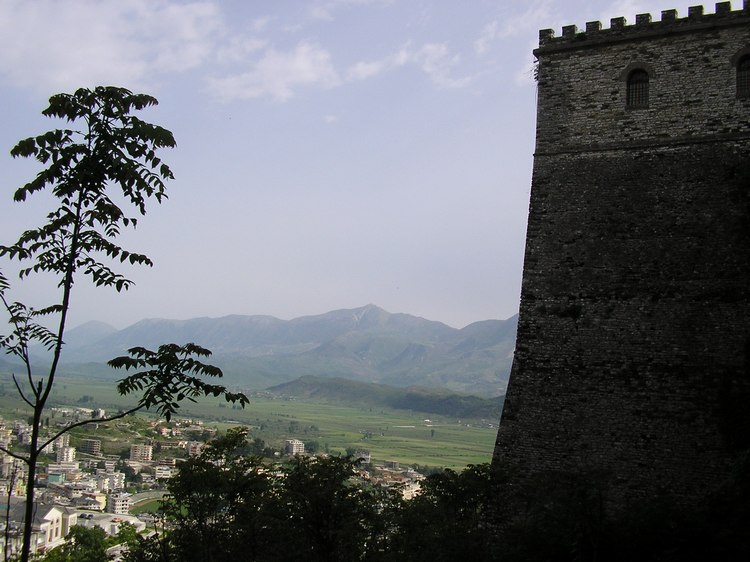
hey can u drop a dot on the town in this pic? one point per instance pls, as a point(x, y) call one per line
point(112, 482)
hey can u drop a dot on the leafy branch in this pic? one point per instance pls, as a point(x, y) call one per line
point(171, 375)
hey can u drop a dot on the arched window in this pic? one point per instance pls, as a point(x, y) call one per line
point(743, 77)
point(637, 89)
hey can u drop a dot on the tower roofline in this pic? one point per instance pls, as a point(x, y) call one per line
point(643, 28)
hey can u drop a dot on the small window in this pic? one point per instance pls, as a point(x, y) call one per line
point(637, 92)
point(743, 77)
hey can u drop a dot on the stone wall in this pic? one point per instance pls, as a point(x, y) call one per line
point(633, 346)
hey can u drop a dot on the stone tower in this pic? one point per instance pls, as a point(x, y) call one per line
point(633, 347)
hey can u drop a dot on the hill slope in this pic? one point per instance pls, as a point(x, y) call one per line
point(366, 344)
point(432, 401)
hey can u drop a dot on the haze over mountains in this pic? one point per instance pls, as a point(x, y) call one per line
point(364, 344)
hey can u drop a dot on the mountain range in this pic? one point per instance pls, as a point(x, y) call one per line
point(364, 344)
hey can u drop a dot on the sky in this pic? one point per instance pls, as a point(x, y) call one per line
point(330, 153)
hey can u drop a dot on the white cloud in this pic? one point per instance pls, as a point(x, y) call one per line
point(437, 62)
point(487, 36)
point(538, 15)
point(331, 119)
point(260, 24)
point(434, 59)
point(279, 75)
point(321, 12)
point(368, 69)
point(508, 27)
point(324, 10)
point(58, 45)
point(238, 48)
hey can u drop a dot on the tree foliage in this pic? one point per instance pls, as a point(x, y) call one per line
point(218, 502)
point(333, 516)
point(112, 148)
point(100, 171)
point(225, 505)
point(447, 520)
point(171, 375)
point(82, 545)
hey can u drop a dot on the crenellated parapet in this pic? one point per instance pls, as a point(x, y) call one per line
point(645, 27)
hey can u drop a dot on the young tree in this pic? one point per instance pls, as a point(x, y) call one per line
point(100, 175)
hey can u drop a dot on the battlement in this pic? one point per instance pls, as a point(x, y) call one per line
point(644, 26)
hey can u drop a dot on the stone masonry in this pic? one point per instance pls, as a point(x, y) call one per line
point(633, 348)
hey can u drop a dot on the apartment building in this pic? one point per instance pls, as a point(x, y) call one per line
point(90, 446)
point(118, 503)
point(141, 453)
point(294, 447)
point(65, 454)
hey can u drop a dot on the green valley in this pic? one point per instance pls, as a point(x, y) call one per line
point(411, 437)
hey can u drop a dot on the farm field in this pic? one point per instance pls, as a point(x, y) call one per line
point(409, 437)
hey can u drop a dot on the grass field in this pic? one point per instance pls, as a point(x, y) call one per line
point(148, 506)
point(404, 436)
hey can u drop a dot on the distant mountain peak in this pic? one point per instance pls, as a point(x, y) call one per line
point(94, 325)
point(366, 344)
point(88, 332)
point(370, 313)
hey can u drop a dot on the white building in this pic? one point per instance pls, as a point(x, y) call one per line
point(118, 503)
point(65, 454)
point(11, 467)
point(194, 448)
point(67, 467)
point(92, 501)
point(62, 441)
point(51, 524)
point(162, 472)
point(108, 481)
point(294, 447)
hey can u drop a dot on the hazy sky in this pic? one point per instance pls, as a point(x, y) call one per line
point(330, 153)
